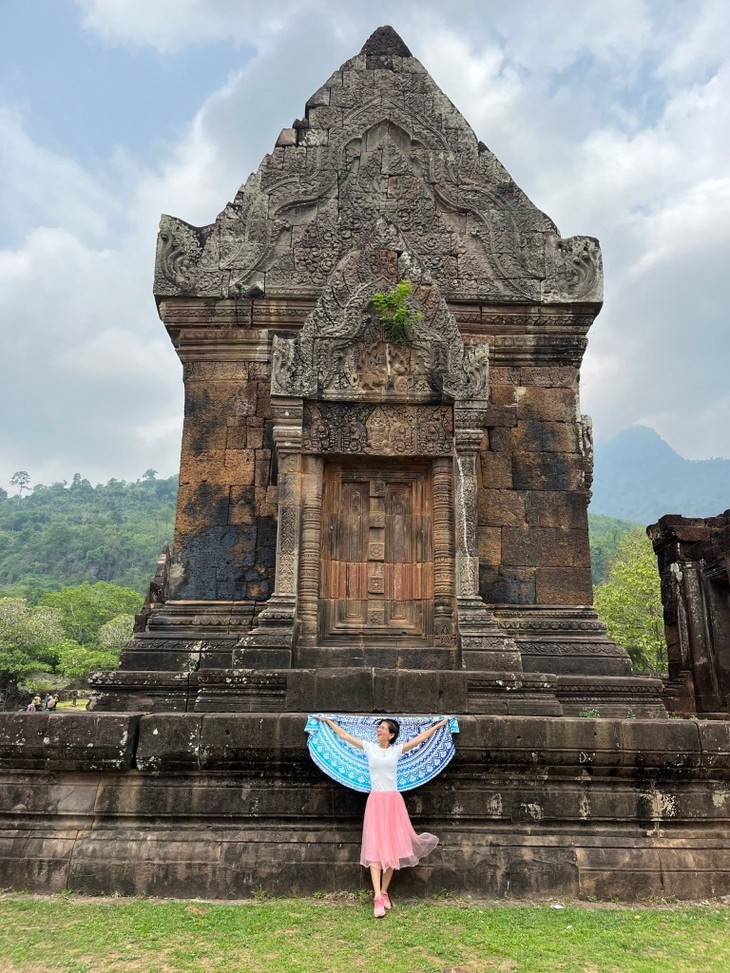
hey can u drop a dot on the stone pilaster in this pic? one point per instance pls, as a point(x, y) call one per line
point(309, 584)
point(483, 645)
point(271, 643)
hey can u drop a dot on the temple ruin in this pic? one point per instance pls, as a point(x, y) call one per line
point(378, 513)
point(350, 502)
point(694, 567)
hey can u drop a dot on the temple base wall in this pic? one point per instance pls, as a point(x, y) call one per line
point(224, 806)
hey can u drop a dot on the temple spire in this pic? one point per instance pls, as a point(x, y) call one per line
point(384, 41)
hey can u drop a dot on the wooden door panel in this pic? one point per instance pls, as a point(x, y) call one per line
point(377, 579)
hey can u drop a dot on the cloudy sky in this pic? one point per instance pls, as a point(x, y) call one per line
point(613, 117)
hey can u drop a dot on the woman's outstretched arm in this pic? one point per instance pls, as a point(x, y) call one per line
point(340, 732)
point(410, 744)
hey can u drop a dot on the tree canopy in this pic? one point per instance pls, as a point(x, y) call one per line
point(73, 632)
point(630, 604)
point(63, 535)
point(605, 534)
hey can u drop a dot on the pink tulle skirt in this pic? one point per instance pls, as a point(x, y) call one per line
point(388, 838)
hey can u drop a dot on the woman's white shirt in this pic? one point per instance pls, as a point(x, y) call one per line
point(383, 765)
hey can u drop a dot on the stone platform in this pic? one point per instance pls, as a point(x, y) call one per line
point(225, 805)
point(377, 690)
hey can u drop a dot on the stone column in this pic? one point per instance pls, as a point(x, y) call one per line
point(444, 633)
point(270, 644)
point(483, 644)
point(310, 560)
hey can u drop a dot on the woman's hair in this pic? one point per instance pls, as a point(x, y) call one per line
point(393, 727)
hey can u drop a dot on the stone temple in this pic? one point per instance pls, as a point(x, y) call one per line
point(373, 521)
point(351, 507)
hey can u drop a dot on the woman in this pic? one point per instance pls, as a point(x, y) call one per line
point(388, 838)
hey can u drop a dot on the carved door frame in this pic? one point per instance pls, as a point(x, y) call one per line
point(376, 553)
point(443, 626)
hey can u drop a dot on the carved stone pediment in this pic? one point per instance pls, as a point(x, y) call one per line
point(379, 140)
point(343, 354)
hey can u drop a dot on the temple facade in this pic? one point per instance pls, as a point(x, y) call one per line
point(355, 499)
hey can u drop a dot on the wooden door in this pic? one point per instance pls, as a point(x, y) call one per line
point(377, 562)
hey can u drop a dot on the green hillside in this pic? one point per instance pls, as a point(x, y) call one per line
point(63, 535)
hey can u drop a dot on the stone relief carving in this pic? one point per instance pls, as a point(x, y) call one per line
point(377, 430)
point(386, 144)
point(585, 442)
point(341, 352)
point(575, 269)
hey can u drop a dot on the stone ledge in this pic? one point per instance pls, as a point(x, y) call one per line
point(377, 690)
point(227, 836)
point(672, 749)
point(68, 741)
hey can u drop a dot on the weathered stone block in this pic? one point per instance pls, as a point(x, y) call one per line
point(61, 741)
point(546, 404)
point(671, 747)
point(548, 471)
point(489, 541)
point(36, 861)
point(502, 395)
point(545, 547)
point(71, 794)
point(555, 508)
point(501, 416)
point(496, 470)
point(235, 437)
point(499, 439)
point(389, 686)
point(169, 741)
point(564, 586)
point(501, 508)
point(241, 505)
point(550, 376)
point(715, 745)
point(507, 585)
point(503, 377)
point(357, 690)
point(536, 436)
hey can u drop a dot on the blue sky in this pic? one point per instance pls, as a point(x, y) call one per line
point(613, 117)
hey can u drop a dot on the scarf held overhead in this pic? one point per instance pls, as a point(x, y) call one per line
point(348, 765)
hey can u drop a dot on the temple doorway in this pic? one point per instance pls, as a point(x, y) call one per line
point(377, 554)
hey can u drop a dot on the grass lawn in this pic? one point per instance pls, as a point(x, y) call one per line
point(325, 936)
point(68, 706)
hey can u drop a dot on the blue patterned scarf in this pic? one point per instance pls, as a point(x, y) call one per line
point(348, 765)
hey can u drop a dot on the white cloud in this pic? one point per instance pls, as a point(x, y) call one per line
point(169, 25)
point(554, 89)
point(698, 42)
point(40, 187)
point(85, 363)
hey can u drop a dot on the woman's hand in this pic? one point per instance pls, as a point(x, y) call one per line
point(410, 744)
point(340, 732)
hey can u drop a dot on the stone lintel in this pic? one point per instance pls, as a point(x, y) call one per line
point(286, 311)
point(222, 345)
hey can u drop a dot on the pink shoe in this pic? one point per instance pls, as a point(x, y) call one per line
point(386, 900)
point(379, 910)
